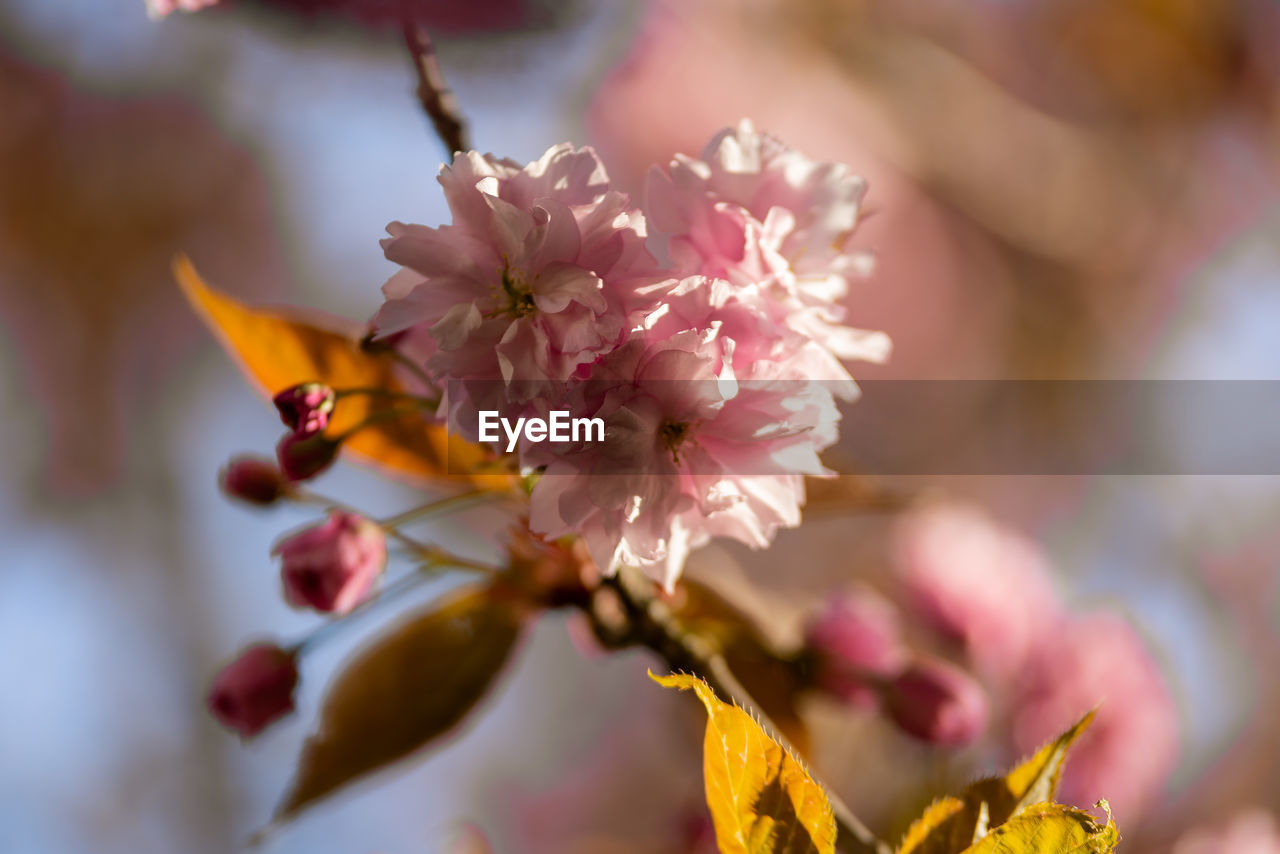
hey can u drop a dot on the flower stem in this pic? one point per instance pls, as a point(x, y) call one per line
point(444, 506)
point(426, 552)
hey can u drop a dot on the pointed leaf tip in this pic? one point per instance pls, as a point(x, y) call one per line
point(762, 801)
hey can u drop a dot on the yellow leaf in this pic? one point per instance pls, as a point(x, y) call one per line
point(771, 681)
point(762, 800)
point(277, 349)
point(407, 689)
point(945, 828)
point(1050, 829)
point(1033, 781)
point(952, 825)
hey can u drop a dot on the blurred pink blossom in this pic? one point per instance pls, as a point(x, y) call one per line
point(255, 689)
point(254, 480)
point(1098, 660)
point(332, 566)
point(937, 702)
point(855, 640)
point(758, 213)
point(163, 8)
point(305, 408)
point(977, 583)
point(1252, 831)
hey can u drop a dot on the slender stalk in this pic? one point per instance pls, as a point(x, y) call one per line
point(424, 551)
point(442, 507)
point(437, 99)
point(653, 625)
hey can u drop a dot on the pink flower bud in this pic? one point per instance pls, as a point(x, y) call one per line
point(253, 479)
point(331, 567)
point(255, 689)
point(854, 642)
point(937, 702)
point(305, 408)
point(303, 457)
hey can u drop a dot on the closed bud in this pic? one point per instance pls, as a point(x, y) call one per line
point(332, 566)
point(305, 408)
point(304, 457)
point(936, 702)
point(853, 644)
point(254, 479)
point(254, 690)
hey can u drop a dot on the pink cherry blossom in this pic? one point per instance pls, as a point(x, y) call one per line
point(937, 702)
point(758, 213)
point(1252, 831)
point(305, 409)
point(164, 8)
point(690, 452)
point(254, 480)
point(519, 286)
point(855, 641)
point(977, 583)
point(1127, 754)
point(331, 567)
point(255, 689)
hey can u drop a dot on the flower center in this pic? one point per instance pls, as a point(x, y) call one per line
point(519, 298)
point(673, 434)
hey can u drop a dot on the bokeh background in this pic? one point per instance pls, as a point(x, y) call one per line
point(1060, 189)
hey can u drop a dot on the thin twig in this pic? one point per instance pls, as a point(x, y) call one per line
point(437, 99)
point(653, 625)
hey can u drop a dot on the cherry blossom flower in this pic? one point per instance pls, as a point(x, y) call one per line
point(855, 640)
point(164, 8)
point(937, 702)
point(1252, 831)
point(305, 409)
point(977, 583)
point(255, 689)
point(518, 286)
point(756, 212)
point(690, 452)
point(331, 567)
point(254, 480)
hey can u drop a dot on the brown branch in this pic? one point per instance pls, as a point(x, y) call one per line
point(647, 621)
point(437, 99)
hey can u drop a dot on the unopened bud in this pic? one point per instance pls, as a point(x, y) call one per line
point(253, 479)
point(332, 566)
point(304, 457)
point(854, 643)
point(255, 689)
point(937, 702)
point(305, 408)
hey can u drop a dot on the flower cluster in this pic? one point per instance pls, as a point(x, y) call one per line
point(705, 331)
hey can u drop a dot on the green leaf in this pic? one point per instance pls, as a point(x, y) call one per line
point(1050, 829)
point(762, 801)
point(408, 688)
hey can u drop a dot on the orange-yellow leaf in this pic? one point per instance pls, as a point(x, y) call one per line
point(408, 688)
point(277, 349)
point(1033, 781)
point(1050, 829)
point(762, 800)
point(943, 829)
point(771, 681)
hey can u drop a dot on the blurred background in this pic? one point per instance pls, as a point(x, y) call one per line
point(1059, 189)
